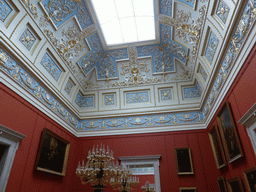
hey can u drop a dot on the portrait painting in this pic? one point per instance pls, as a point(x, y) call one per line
point(250, 179)
point(184, 161)
point(235, 185)
point(229, 134)
point(217, 148)
point(52, 154)
point(222, 184)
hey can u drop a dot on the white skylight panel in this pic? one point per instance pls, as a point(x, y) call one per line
point(145, 28)
point(114, 37)
point(105, 10)
point(128, 27)
point(125, 21)
point(143, 7)
point(124, 8)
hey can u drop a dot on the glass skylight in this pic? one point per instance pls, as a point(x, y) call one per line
point(125, 21)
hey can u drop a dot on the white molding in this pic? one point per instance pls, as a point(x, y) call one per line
point(240, 61)
point(128, 131)
point(249, 121)
point(11, 139)
point(137, 160)
point(249, 117)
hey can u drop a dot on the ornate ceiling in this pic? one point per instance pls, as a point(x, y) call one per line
point(55, 55)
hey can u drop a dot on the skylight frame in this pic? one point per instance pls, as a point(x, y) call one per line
point(106, 46)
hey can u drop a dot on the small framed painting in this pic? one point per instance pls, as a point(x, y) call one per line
point(184, 161)
point(217, 148)
point(222, 184)
point(187, 189)
point(235, 185)
point(229, 134)
point(250, 179)
point(52, 156)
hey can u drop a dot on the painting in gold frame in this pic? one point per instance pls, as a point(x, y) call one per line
point(184, 161)
point(52, 156)
point(217, 147)
point(222, 184)
point(250, 179)
point(229, 134)
point(235, 185)
point(187, 189)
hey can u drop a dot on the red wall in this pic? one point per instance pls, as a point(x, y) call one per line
point(160, 144)
point(19, 115)
point(241, 96)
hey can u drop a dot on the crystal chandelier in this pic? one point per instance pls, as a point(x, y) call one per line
point(100, 167)
point(148, 187)
point(123, 181)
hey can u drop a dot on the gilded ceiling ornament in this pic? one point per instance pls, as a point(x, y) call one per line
point(222, 11)
point(137, 97)
point(60, 11)
point(69, 45)
point(134, 71)
point(85, 101)
point(211, 47)
point(162, 119)
point(44, 21)
point(27, 38)
point(190, 117)
point(5, 10)
point(69, 86)
point(202, 72)
point(237, 39)
point(92, 125)
point(31, 7)
point(115, 123)
point(187, 74)
point(138, 121)
point(3, 58)
point(51, 66)
point(165, 7)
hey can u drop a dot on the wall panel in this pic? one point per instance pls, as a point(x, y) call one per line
point(19, 115)
point(241, 96)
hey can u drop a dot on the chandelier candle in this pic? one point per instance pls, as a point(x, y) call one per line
point(100, 169)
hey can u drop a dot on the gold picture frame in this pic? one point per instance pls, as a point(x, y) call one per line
point(52, 155)
point(222, 184)
point(187, 189)
point(184, 161)
point(250, 179)
point(229, 134)
point(235, 185)
point(217, 148)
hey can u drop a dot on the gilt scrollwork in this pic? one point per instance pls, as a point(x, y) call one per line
point(31, 7)
point(237, 39)
point(61, 10)
point(5, 10)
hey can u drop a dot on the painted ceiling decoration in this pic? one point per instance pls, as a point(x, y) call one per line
point(61, 58)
